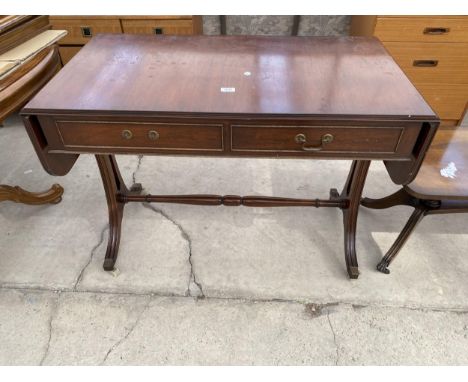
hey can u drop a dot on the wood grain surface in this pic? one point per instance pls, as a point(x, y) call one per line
point(260, 75)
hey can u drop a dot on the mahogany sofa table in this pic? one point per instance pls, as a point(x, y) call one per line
point(232, 96)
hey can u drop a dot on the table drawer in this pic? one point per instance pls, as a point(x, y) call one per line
point(174, 27)
point(80, 31)
point(323, 139)
point(423, 29)
point(431, 62)
point(140, 135)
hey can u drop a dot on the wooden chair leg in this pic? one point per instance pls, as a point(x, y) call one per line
point(411, 224)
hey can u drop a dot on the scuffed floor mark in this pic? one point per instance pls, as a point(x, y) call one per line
point(450, 171)
point(193, 283)
point(91, 256)
point(53, 313)
point(129, 331)
point(316, 310)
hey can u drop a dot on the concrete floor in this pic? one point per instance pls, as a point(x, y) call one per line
point(219, 285)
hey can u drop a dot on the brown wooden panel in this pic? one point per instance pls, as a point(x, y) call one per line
point(76, 28)
point(362, 25)
point(129, 135)
point(21, 33)
point(171, 27)
point(13, 21)
point(431, 62)
point(67, 53)
point(18, 87)
point(448, 122)
point(345, 139)
point(424, 29)
point(447, 100)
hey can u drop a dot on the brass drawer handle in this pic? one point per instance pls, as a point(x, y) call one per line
point(153, 135)
point(301, 138)
point(127, 134)
point(425, 63)
point(86, 31)
point(433, 31)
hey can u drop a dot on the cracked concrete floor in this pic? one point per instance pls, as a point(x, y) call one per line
point(220, 285)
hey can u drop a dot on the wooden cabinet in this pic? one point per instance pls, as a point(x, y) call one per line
point(432, 51)
point(82, 28)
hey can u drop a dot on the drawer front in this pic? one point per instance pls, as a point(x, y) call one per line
point(67, 53)
point(447, 100)
point(323, 139)
point(173, 27)
point(423, 29)
point(80, 31)
point(431, 62)
point(140, 135)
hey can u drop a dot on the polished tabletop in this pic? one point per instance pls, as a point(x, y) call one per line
point(246, 75)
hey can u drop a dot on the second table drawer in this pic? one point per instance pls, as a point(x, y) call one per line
point(425, 62)
point(346, 139)
point(172, 27)
point(125, 135)
point(80, 31)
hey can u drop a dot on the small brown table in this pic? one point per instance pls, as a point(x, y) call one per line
point(232, 96)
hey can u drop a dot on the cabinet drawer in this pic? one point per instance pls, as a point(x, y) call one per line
point(140, 135)
point(423, 29)
point(80, 31)
point(431, 62)
point(175, 27)
point(67, 53)
point(323, 139)
point(447, 100)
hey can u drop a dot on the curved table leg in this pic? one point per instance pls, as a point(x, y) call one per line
point(399, 198)
point(352, 192)
point(116, 190)
point(18, 195)
point(113, 185)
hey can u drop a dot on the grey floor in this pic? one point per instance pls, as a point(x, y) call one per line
point(219, 285)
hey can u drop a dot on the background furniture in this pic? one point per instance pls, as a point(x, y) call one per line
point(441, 186)
point(232, 96)
point(28, 59)
point(81, 28)
point(432, 51)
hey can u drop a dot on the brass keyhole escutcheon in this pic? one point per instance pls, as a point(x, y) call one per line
point(300, 138)
point(153, 135)
point(327, 138)
point(127, 134)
